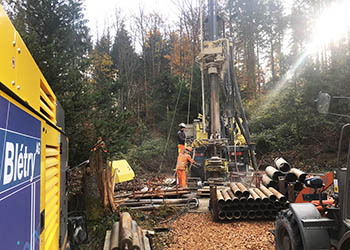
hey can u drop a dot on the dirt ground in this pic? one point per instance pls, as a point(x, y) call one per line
point(194, 231)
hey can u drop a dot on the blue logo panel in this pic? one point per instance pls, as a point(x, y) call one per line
point(20, 162)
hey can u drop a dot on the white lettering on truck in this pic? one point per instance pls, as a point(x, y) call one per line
point(19, 163)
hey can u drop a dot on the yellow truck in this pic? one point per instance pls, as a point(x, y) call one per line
point(33, 151)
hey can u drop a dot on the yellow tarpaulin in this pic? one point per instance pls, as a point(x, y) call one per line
point(123, 171)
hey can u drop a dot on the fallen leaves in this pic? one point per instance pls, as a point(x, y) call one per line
point(197, 231)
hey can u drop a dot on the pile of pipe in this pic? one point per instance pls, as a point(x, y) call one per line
point(150, 204)
point(126, 234)
point(283, 169)
point(238, 202)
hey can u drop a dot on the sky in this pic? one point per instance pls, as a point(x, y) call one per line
point(101, 13)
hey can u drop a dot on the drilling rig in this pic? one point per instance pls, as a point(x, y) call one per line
point(225, 145)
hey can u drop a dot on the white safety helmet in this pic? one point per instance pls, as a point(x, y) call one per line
point(182, 125)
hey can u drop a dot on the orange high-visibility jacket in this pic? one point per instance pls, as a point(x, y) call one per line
point(182, 161)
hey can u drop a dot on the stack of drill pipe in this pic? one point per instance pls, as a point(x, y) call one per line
point(126, 234)
point(250, 203)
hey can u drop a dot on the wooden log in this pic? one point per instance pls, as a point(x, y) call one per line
point(114, 245)
point(142, 243)
point(107, 244)
point(146, 241)
point(125, 230)
point(135, 236)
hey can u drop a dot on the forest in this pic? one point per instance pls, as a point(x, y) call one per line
point(140, 78)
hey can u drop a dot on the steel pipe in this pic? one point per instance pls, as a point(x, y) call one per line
point(237, 214)
point(273, 213)
point(244, 214)
point(300, 174)
point(290, 177)
point(268, 182)
point(234, 199)
point(125, 230)
point(255, 196)
point(273, 173)
point(282, 165)
point(221, 215)
point(236, 190)
point(243, 189)
point(268, 193)
point(263, 197)
point(229, 215)
point(278, 195)
point(226, 197)
point(266, 213)
point(251, 214)
point(220, 198)
point(259, 214)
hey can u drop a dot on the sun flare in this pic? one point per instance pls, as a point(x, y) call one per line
point(332, 25)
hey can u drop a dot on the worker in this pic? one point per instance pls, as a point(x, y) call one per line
point(181, 137)
point(182, 160)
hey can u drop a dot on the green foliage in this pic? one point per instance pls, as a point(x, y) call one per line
point(148, 156)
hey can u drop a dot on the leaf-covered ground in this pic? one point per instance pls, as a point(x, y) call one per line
point(198, 231)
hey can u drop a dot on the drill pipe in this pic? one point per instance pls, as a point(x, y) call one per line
point(221, 215)
point(268, 193)
point(255, 196)
point(300, 174)
point(279, 196)
point(236, 190)
point(221, 200)
point(262, 195)
point(250, 200)
point(290, 177)
point(225, 208)
point(278, 205)
point(259, 213)
point(273, 173)
point(243, 189)
point(282, 165)
point(273, 213)
point(235, 199)
point(237, 214)
point(268, 182)
point(251, 214)
point(270, 206)
point(226, 197)
point(298, 186)
point(125, 230)
point(244, 214)
point(229, 215)
point(136, 245)
point(266, 213)
point(262, 206)
point(115, 237)
point(243, 201)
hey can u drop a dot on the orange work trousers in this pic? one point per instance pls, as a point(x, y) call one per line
point(181, 177)
point(181, 148)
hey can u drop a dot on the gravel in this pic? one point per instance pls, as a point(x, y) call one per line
point(194, 231)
